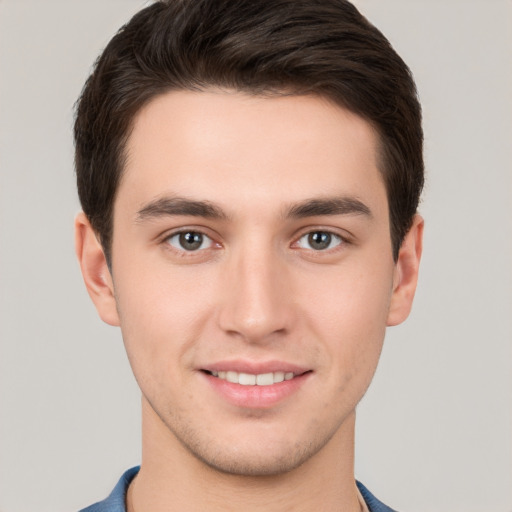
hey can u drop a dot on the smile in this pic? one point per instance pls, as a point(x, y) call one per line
point(249, 379)
point(251, 385)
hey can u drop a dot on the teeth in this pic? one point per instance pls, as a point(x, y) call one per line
point(232, 377)
point(248, 379)
point(279, 377)
point(264, 379)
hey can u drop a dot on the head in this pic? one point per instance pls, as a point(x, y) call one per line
point(286, 47)
point(251, 170)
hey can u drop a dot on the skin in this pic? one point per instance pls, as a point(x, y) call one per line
point(256, 290)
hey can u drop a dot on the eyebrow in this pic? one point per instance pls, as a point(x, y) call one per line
point(328, 206)
point(172, 206)
point(169, 206)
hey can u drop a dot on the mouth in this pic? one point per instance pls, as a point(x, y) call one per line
point(255, 385)
point(251, 379)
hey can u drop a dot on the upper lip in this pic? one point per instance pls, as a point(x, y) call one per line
point(255, 367)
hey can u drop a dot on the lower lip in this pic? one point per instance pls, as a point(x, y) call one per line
point(256, 397)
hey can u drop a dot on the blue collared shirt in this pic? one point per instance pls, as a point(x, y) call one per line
point(117, 498)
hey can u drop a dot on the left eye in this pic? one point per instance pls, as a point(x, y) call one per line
point(319, 240)
point(190, 241)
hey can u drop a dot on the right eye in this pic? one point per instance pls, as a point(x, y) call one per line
point(190, 241)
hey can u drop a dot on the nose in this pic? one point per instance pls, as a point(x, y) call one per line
point(257, 293)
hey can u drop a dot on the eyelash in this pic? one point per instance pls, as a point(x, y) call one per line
point(339, 239)
point(327, 237)
point(181, 251)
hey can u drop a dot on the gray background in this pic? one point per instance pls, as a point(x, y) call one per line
point(434, 431)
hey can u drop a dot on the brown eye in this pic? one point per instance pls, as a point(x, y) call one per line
point(190, 241)
point(319, 240)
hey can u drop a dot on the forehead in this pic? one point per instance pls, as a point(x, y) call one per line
point(233, 148)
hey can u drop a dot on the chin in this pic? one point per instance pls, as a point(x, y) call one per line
point(255, 465)
point(255, 458)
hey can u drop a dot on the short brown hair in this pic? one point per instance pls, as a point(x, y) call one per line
point(322, 47)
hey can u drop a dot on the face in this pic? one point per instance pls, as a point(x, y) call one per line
point(252, 273)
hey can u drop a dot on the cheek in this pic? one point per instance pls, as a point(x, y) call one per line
point(355, 301)
point(161, 318)
point(349, 313)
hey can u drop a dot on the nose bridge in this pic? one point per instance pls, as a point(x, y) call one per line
point(255, 305)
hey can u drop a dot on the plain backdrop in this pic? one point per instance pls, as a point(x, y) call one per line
point(434, 431)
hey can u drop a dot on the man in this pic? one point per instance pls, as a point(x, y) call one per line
point(249, 173)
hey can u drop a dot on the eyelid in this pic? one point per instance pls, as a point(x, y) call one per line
point(335, 236)
point(205, 240)
point(188, 228)
point(164, 239)
point(343, 234)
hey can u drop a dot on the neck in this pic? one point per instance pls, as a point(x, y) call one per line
point(171, 478)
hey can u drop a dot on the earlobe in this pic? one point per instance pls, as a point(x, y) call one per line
point(95, 271)
point(406, 273)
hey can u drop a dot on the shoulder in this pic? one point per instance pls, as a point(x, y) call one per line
point(374, 505)
point(115, 502)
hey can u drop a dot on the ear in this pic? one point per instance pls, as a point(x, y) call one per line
point(95, 271)
point(406, 273)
